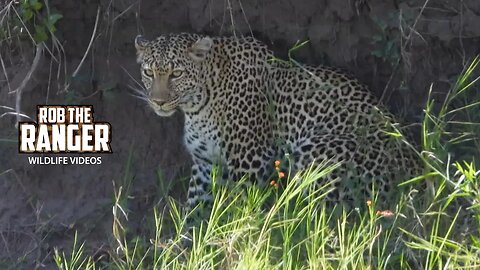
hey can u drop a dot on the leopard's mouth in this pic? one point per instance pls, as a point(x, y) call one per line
point(164, 108)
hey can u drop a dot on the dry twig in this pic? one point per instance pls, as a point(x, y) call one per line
point(26, 80)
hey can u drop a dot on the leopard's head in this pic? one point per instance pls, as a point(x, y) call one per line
point(171, 68)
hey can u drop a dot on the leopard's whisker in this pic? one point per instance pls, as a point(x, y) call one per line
point(131, 77)
point(138, 91)
point(139, 97)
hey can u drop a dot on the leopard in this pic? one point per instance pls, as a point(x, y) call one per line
point(239, 101)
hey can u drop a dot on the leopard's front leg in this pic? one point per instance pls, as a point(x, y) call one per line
point(199, 192)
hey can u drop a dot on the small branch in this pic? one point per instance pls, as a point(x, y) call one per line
point(15, 114)
point(89, 45)
point(230, 11)
point(26, 80)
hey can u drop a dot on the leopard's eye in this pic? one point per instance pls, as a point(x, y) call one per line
point(148, 72)
point(177, 73)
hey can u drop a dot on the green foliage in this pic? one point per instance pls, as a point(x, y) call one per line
point(386, 43)
point(28, 8)
point(453, 127)
point(77, 259)
point(31, 16)
point(291, 61)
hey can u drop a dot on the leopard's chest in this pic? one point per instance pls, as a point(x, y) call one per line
point(201, 140)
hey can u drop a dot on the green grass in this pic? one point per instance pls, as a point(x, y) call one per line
point(433, 226)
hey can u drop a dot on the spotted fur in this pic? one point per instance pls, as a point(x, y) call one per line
point(239, 103)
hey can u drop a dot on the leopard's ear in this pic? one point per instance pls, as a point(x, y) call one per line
point(140, 44)
point(199, 50)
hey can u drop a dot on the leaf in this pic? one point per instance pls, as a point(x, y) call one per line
point(27, 14)
point(53, 18)
point(40, 34)
point(377, 39)
point(37, 6)
point(380, 23)
point(377, 53)
point(24, 5)
point(50, 26)
point(391, 46)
